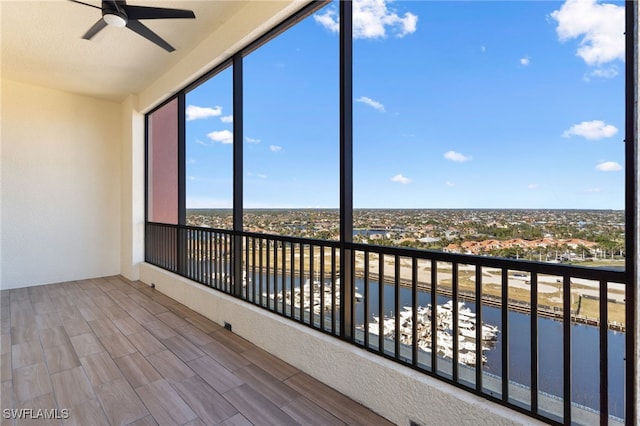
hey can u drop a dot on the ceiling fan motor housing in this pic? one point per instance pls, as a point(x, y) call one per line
point(113, 16)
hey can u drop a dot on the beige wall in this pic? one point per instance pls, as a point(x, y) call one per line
point(60, 186)
point(132, 187)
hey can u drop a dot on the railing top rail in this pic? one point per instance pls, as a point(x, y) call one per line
point(290, 239)
point(596, 274)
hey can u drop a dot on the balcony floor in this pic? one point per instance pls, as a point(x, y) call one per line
point(116, 352)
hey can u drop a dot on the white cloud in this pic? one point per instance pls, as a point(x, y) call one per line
point(609, 72)
point(222, 136)
point(592, 190)
point(198, 141)
point(227, 119)
point(532, 186)
point(371, 19)
point(197, 113)
point(456, 156)
point(483, 48)
point(258, 175)
point(401, 179)
point(252, 140)
point(609, 166)
point(525, 61)
point(600, 27)
point(373, 104)
point(275, 148)
point(329, 20)
point(592, 130)
point(450, 184)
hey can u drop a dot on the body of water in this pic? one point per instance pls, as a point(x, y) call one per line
point(584, 341)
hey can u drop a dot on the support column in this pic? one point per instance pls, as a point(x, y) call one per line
point(238, 137)
point(182, 183)
point(346, 171)
point(132, 187)
point(632, 170)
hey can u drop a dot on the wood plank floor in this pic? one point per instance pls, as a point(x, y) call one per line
point(115, 352)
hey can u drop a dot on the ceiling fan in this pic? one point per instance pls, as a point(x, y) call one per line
point(117, 13)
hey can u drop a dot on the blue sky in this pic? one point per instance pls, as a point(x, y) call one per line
point(503, 104)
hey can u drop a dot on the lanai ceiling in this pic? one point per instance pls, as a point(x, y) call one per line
point(41, 44)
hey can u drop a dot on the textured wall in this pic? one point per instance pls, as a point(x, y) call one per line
point(60, 186)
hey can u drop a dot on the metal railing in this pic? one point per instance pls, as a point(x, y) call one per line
point(541, 338)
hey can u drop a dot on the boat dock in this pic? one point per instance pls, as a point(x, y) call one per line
point(544, 311)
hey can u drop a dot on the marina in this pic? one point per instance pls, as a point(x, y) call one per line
point(316, 295)
point(515, 305)
point(466, 337)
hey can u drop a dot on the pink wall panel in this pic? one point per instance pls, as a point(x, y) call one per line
point(163, 164)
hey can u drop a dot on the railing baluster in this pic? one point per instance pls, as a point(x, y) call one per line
point(275, 280)
point(479, 352)
point(247, 241)
point(218, 250)
point(224, 277)
point(566, 339)
point(396, 294)
point(190, 254)
point(268, 272)
point(505, 334)
point(367, 312)
point(220, 253)
point(197, 248)
point(381, 302)
point(283, 284)
point(434, 317)
point(454, 320)
point(312, 292)
point(194, 254)
point(249, 277)
point(167, 251)
point(209, 259)
point(414, 312)
point(227, 263)
point(534, 343)
point(322, 289)
point(199, 254)
point(301, 283)
point(604, 353)
point(334, 326)
point(292, 279)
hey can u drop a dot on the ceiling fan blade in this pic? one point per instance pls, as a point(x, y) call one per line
point(119, 4)
point(86, 4)
point(145, 32)
point(143, 12)
point(95, 29)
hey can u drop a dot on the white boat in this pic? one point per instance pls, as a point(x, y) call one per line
point(466, 339)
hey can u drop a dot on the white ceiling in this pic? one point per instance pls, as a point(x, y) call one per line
point(41, 44)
